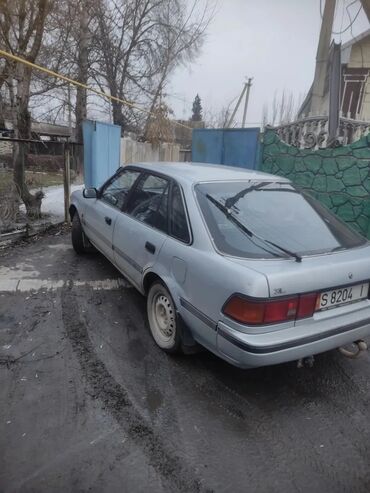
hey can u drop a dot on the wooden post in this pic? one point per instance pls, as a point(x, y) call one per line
point(67, 182)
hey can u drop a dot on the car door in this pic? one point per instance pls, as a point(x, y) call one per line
point(141, 231)
point(100, 215)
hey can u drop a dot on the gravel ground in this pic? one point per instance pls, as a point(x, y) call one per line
point(89, 403)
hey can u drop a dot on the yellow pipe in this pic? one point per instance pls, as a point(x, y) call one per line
point(79, 84)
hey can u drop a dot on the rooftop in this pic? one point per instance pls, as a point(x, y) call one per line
point(197, 172)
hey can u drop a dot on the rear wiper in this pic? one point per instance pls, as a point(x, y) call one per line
point(247, 231)
point(231, 201)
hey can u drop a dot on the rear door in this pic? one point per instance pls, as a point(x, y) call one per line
point(101, 214)
point(140, 232)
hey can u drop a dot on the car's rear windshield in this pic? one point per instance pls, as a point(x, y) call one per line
point(254, 218)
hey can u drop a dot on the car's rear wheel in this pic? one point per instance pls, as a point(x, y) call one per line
point(162, 318)
point(78, 237)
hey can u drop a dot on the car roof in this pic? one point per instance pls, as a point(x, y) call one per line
point(203, 172)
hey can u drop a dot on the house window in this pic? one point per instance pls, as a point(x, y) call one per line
point(353, 86)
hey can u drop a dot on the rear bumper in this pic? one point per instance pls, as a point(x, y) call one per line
point(253, 350)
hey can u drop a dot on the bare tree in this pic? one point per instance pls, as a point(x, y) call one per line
point(136, 46)
point(265, 115)
point(127, 48)
point(160, 128)
point(22, 25)
point(181, 34)
point(123, 44)
point(218, 119)
point(283, 109)
point(274, 109)
point(65, 49)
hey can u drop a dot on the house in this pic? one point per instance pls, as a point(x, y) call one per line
point(355, 80)
point(47, 139)
point(354, 101)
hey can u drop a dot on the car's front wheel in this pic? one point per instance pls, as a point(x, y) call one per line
point(162, 318)
point(78, 237)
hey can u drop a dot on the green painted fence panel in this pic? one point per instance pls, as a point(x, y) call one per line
point(338, 177)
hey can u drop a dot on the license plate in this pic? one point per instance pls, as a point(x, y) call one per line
point(341, 296)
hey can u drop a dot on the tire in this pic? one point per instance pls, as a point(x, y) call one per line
point(163, 321)
point(78, 237)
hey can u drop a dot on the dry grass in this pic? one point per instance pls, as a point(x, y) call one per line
point(34, 179)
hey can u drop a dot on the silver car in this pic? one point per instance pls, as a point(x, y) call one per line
point(240, 262)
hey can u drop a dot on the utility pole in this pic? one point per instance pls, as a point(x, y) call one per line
point(249, 85)
point(237, 106)
point(246, 89)
point(366, 7)
point(322, 57)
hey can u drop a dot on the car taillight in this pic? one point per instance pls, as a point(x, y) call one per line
point(253, 312)
point(307, 305)
point(278, 311)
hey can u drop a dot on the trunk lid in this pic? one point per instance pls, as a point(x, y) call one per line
point(316, 273)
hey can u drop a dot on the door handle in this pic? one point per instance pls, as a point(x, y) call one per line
point(150, 247)
point(108, 220)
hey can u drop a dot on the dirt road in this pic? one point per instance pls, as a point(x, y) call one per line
point(88, 402)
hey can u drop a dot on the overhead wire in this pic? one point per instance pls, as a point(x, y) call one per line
point(351, 20)
point(35, 66)
point(342, 20)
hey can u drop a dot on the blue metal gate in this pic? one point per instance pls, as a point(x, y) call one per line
point(101, 151)
point(232, 146)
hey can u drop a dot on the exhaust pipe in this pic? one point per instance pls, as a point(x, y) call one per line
point(361, 346)
point(308, 361)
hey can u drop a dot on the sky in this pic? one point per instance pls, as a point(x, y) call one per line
point(273, 41)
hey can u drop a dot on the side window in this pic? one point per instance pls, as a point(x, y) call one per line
point(149, 202)
point(116, 190)
point(178, 223)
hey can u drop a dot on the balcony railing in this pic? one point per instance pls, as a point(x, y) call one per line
point(312, 132)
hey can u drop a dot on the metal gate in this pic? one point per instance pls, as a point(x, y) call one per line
point(101, 151)
point(232, 146)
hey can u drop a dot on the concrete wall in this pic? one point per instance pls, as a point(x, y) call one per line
point(339, 177)
point(139, 152)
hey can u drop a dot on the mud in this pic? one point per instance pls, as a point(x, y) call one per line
point(89, 403)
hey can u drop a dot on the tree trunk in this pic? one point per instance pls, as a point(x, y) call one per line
point(23, 131)
point(2, 106)
point(83, 67)
point(118, 117)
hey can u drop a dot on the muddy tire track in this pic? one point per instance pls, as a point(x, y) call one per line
point(167, 463)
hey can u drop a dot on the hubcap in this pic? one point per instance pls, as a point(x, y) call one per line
point(164, 316)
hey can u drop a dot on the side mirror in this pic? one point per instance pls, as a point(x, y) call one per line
point(90, 193)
